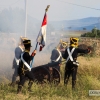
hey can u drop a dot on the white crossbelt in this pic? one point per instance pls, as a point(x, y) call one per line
point(25, 63)
point(17, 60)
point(70, 54)
point(21, 48)
point(59, 56)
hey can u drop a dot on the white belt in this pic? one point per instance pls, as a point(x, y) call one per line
point(25, 63)
point(17, 60)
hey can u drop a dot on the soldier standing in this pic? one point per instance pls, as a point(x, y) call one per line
point(18, 51)
point(56, 57)
point(70, 55)
point(24, 66)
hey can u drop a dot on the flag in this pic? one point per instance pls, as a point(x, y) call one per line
point(41, 39)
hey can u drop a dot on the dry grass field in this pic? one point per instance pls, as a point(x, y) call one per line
point(88, 76)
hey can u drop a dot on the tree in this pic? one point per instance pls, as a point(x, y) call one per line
point(94, 33)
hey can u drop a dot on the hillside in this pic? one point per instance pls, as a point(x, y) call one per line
point(78, 24)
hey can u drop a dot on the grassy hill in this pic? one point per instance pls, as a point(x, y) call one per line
point(88, 78)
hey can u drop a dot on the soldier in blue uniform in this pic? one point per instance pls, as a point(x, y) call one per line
point(56, 55)
point(70, 55)
point(24, 66)
point(18, 51)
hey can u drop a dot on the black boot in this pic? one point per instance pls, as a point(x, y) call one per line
point(30, 85)
point(17, 81)
point(73, 84)
point(19, 90)
point(12, 84)
point(65, 81)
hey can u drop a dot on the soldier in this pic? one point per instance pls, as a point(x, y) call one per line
point(56, 56)
point(24, 66)
point(70, 55)
point(18, 51)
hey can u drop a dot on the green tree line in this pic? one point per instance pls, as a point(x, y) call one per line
point(94, 33)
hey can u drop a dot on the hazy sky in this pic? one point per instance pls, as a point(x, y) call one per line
point(59, 9)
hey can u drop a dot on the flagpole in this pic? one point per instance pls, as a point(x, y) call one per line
point(25, 17)
point(36, 46)
point(37, 42)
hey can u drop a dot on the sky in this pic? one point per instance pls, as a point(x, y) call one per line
point(59, 9)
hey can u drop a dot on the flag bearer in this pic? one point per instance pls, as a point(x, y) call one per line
point(24, 66)
point(71, 60)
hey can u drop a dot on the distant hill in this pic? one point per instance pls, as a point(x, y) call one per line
point(78, 24)
point(13, 21)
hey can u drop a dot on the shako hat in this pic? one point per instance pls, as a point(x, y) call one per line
point(21, 40)
point(27, 43)
point(74, 41)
